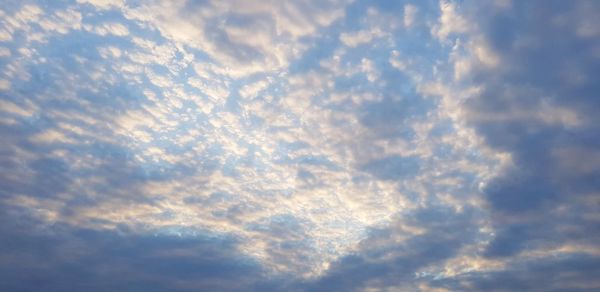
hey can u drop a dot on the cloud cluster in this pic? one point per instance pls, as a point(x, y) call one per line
point(299, 145)
point(538, 104)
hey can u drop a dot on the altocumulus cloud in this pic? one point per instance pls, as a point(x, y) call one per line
point(299, 145)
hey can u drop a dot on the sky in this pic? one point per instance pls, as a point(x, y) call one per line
point(306, 145)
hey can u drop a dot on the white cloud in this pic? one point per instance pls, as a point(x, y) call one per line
point(103, 4)
point(62, 21)
point(369, 68)
point(450, 21)
point(5, 36)
point(10, 107)
point(410, 13)
point(276, 28)
point(51, 136)
point(116, 29)
point(110, 52)
point(360, 37)
point(253, 89)
point(4, 84)
point(5, 52)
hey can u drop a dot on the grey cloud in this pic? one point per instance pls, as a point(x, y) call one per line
point(385, 261)
point(576, 272)
point(64, 258)
point(546, 91)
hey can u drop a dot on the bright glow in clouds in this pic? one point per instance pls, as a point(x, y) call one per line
point(298, 145)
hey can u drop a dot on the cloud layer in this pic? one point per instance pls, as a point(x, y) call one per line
point(299, 145)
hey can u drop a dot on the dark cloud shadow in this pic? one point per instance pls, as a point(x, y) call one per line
point(36, 257)
point(546, 98)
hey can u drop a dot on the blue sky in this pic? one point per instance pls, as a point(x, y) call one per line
point(339, 145)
